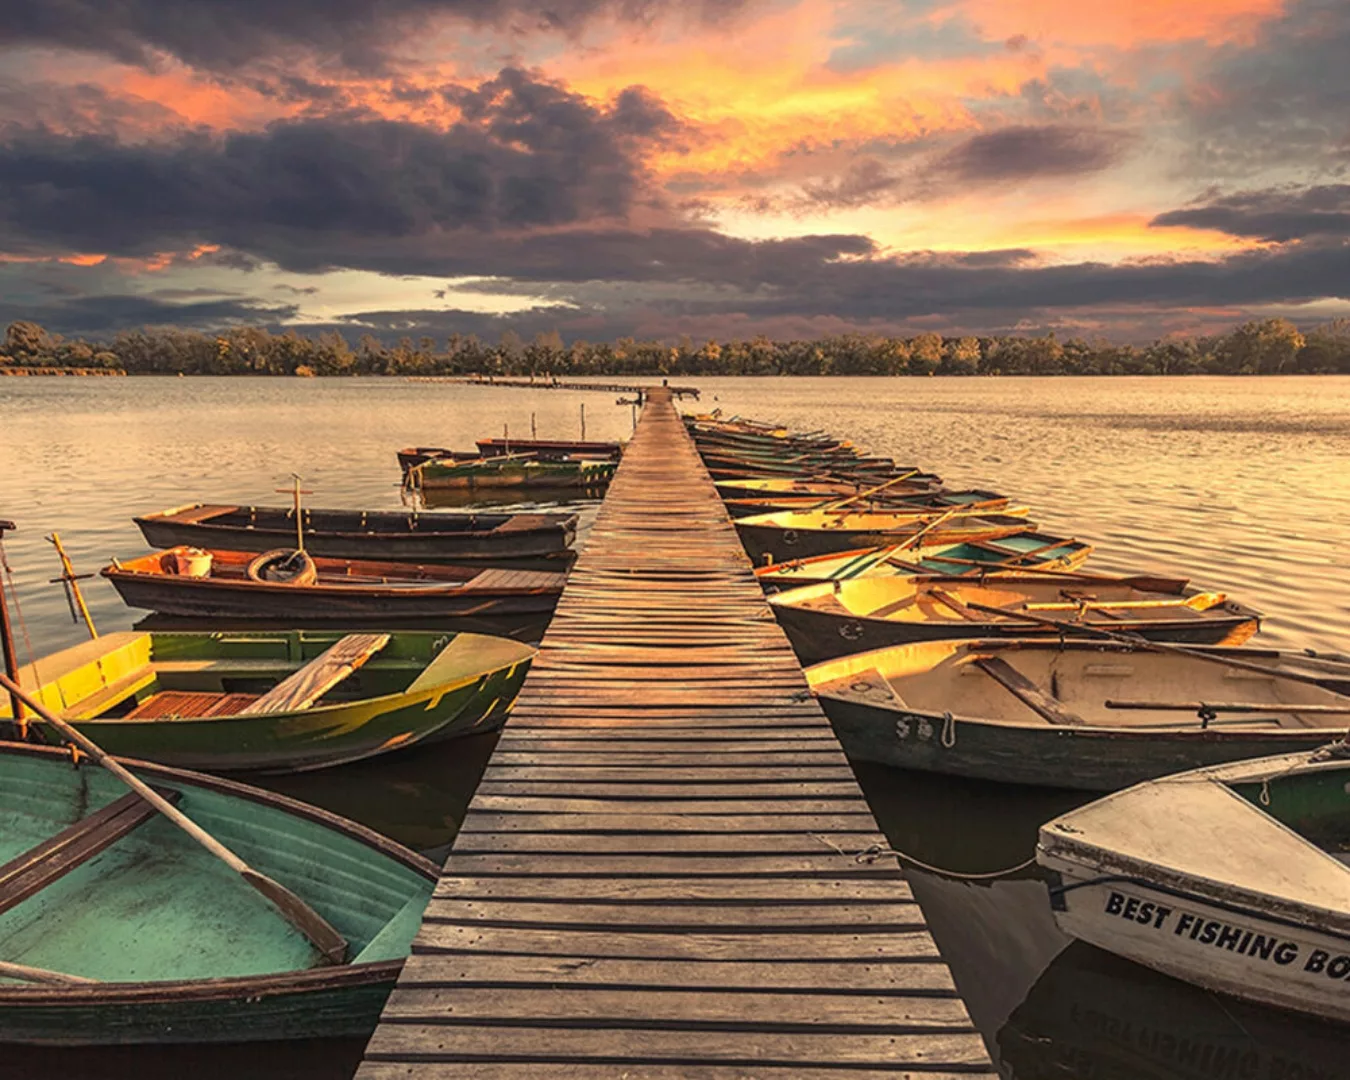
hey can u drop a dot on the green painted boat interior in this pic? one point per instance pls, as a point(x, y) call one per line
point(108, 678)
point(156, 906)
point(1315, 804)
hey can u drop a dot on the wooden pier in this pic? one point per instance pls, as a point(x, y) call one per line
point(658, 875)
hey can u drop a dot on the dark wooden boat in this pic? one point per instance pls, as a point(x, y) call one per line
point(520, 541)
point(842, 617)
point(346, 591)
point(907, 480)
point(888, 500)
point(773, 538)
point(547, 449)
point(1071, 714)
point(871, 470)
point(541, 449)
point(116, 928)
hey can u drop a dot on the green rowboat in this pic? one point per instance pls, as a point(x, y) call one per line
point(116, 927)
point(280, 701)
point(513, 471)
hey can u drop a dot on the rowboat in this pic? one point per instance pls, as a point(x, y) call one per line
point(117, 928)
point(883, 502)
point(801, 534)
point(1023, 551)
point(415, 455)
point(281, 701)
point(842, 617)
point(1074, 714)
point(543, 449)
point(513, 471)
point(522, 541)
point(723, 466)
point(907, 480)
point(346, 591)
point(1233, 878)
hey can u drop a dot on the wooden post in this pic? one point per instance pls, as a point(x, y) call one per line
point(331, 945)
point(7, 633)
point(71, 581)
point(296, 492)
point(534, 434)
point(583, 421)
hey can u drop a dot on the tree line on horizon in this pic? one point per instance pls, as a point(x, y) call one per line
point(1260, 347)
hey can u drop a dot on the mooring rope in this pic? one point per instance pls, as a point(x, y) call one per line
point(873, 852)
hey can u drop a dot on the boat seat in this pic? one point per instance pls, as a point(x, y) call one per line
point(1026, 691)
point(325, 671)
point(73, 846)
point(114, 692)
point(176, 704)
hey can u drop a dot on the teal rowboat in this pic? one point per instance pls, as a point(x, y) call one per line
point(116, 927)
point(1018, 553)
point(220, 701)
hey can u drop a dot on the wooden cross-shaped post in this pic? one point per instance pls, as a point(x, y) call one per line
point(7, 632)
point(296, 492)
point(78, 609)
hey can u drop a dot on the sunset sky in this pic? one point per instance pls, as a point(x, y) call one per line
point(788, 167)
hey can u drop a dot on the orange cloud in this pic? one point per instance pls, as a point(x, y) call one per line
point(1124, 24)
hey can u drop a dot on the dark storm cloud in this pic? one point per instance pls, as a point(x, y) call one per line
point(1281, 100)
point(336, 191)
point(102, 316)
point(1023, 152)
point(1275, 214)
point(223, 34)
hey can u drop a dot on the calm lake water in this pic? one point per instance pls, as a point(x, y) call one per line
point(1240, 484)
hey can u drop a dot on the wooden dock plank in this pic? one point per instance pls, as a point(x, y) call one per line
point(668, 869)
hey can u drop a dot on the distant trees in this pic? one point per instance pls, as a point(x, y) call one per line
point(1260, 347)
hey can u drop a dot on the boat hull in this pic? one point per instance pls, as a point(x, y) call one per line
point(1082, 758)
point(772, 543)
point(1179, 933)
point(822, 635)
point(317, 1004)
point(214, 598)
point(541, 547)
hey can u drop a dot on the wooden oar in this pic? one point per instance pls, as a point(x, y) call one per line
point(332, 946)
point(865, 494)
point(1231, 706)
point(1134, 641)
point(24, 973)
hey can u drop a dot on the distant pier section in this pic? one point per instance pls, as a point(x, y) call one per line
point(18, 369)
point(549, 383)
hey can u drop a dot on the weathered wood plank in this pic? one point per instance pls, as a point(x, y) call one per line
point(686, 889)
point(898, 976)
point(866, 1012)
point(618, 1046)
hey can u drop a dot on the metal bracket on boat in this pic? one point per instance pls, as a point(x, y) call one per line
point(1206, 714)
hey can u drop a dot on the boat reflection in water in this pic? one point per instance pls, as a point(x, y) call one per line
point(1051, 1008)
point(1095, 1016)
